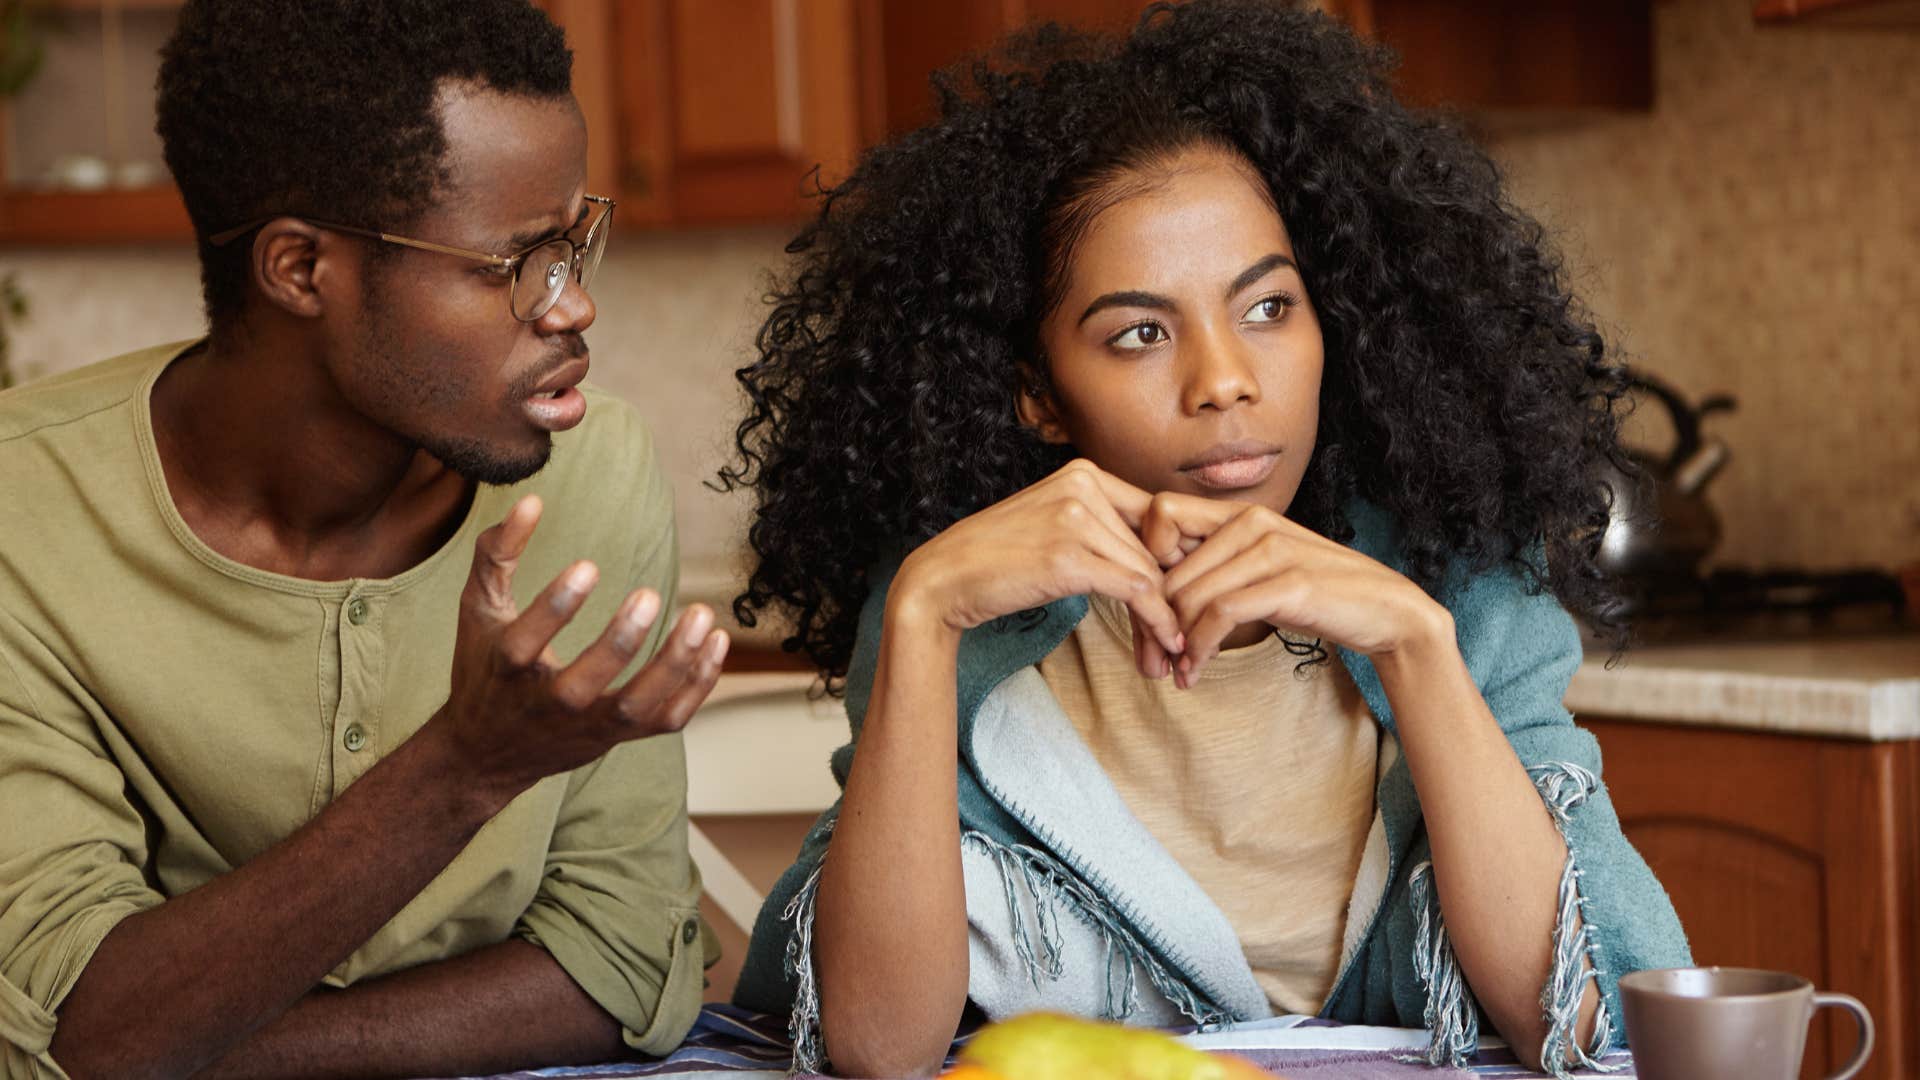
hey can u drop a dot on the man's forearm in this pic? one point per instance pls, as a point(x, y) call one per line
point(500, 1008)
point(172, 989)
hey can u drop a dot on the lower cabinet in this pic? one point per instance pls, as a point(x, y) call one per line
point(1787, 852)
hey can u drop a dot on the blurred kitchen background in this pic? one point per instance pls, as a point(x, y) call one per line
point(1732, 182)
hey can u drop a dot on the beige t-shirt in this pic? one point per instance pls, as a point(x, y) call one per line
point(167, 714)
point(1259, 781)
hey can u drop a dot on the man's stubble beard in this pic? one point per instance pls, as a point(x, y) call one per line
point(434, 393)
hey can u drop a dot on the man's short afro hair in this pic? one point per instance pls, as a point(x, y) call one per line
point(324, 108)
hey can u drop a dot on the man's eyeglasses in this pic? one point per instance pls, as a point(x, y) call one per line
point(539, 273)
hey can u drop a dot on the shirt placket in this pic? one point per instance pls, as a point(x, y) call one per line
point(357, 721)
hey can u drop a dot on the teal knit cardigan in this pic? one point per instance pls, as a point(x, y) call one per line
point(1521, 649)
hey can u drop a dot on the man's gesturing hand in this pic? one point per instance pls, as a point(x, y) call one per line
point(517, 713)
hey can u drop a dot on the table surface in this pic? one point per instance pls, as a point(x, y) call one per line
point(738, 1045)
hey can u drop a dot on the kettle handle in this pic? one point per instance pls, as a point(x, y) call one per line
point(1686, 419)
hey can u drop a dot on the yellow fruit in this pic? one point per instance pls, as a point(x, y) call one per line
point(1052, 1046)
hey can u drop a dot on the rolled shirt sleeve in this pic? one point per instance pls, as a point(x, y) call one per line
point(619, 905)
point(71, 848)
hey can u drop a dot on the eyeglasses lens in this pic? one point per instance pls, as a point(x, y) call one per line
point(543, 276)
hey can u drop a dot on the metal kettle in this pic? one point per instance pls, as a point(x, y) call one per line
point(1661, 526)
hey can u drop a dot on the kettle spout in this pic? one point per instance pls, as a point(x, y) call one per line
point(1692, 474)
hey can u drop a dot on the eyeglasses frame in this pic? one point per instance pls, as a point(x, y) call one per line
point(511, 263)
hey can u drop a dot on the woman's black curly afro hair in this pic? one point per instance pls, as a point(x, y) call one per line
point(1465, 390)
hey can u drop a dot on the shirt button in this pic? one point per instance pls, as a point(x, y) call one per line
point(355, 739)
point(688, 931)
point(357, 611)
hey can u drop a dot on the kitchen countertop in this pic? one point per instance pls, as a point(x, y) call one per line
point(1854, 688)
point(1840, 687)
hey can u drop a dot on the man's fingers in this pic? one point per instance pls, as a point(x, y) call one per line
point(524, 639)
point(680, 707)
point(584, 680)
point(672, 665)
point(495, 554)
point(690, 659)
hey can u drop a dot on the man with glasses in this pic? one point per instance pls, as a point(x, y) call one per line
point(316, 756)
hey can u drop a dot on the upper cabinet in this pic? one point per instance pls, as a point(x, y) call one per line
point(721, 109)
point(79, 160)
point(716, 111)
point(1495, 57)
point(705, 112)
point(1887, 13)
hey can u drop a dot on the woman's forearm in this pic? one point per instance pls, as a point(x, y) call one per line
point(1497, 856)
point(891, 925)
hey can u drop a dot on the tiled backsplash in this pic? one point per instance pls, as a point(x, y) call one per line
point(1758, 234)
point(1755, 234)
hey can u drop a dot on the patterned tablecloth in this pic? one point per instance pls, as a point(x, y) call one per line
point(748, 1046)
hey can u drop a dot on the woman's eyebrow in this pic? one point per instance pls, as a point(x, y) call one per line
point(1126, 299)
point(1259, 270)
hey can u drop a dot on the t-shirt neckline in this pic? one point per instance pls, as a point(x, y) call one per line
point(183, 533)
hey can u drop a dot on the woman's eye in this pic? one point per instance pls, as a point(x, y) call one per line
point(1269, 308)
point(1139, 336)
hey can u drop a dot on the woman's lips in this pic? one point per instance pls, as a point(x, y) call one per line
point(1234, 473)
point(1234, 465)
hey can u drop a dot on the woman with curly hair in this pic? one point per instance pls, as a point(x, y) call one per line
point(1193, 445)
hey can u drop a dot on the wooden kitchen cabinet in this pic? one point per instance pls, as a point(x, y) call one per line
point(1787, 852)
point(1482, 56)
point(93, 95)
point(1864, 13)
point(717, 111)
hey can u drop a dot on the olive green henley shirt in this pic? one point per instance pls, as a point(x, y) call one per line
point(167, 714)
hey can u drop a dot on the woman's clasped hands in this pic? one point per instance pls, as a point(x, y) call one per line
point(1191, 570)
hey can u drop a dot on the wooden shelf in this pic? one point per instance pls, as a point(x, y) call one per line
point(114, 216)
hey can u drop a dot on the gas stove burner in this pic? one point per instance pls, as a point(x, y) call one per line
point(1774, 602)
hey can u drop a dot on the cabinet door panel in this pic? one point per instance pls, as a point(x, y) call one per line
point(736, 82)
point(1789, 853)
point(1746, 900)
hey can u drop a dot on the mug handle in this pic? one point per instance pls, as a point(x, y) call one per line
point(1859, 1011)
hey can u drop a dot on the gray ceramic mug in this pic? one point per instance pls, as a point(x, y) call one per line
point(1714, 1022)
